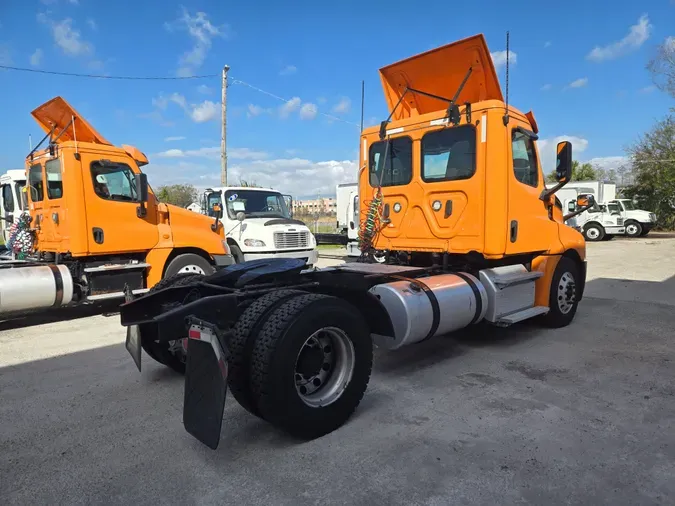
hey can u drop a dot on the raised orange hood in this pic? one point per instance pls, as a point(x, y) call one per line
point(58, 113)
point(440, 72)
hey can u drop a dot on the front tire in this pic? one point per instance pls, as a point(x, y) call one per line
point(564, 294)
point(311, 364)
point(189, 263)
point(594, 232)
point(633, 229)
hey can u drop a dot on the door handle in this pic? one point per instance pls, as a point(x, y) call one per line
point(98, 235)
point(448, 208)
point(514, 230)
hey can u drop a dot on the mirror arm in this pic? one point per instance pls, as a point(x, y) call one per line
point(547, 193)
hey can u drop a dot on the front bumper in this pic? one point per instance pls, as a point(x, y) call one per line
point(223, 260)
point(310, 256)
point(646, 227)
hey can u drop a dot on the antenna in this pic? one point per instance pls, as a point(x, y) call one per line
point(508, 54)
point(362, 93)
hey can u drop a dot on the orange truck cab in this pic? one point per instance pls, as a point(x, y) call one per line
point(95, 223)
point(458, 178)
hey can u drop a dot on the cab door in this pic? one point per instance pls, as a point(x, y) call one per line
point(112, 200)
point(529, 228)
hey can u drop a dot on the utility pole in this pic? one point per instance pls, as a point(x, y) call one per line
point(223, 135)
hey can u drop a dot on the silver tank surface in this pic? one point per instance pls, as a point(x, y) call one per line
point(422, 308)
point(35, 287)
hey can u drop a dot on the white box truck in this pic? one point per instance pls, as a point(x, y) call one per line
point(347, 196)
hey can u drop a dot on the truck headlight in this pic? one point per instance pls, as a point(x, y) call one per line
point(226, 247)
point(254, 243)
point(312, 240)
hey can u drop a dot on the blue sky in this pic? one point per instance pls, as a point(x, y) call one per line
point(580, 68)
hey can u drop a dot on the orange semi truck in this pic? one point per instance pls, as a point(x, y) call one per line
point(456, 228)
point(96, 226)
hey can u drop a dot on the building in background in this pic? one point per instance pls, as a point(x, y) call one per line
point(323, 206)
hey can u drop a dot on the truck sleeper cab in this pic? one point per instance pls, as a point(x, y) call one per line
point(454, 200)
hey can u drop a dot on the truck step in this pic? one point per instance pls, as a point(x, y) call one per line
point(113, 295)
point(519, 316)
point(516, 278)
point(117, 267)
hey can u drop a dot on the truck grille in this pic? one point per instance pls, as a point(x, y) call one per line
point(289, 240)
point(619, 221)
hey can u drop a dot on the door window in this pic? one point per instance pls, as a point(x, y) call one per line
point(114, 181)
point(397, 168)
point(54, 179)
point(35, 182)
point(7, 198)
point(449, 154)
point(21, 196)
point(524, 159)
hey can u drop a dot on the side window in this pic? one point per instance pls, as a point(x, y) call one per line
point(36, 187)
point(114, 181)
point(21, 195)
point(397, 168)
point(54, 180)
point(524, 159)
point(571, 206)
point(7, 198)
point(449, 154)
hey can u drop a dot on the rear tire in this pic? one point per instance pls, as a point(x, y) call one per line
point(594, 232)
point(160, 351)
point(244, 334)
point(317, 343)
point(564, 294)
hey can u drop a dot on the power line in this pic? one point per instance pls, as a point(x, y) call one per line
point(100, 76)
point(164, 78)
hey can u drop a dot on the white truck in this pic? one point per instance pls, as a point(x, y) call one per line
point(347, 196)
point(259, 224)
point(637, 222)
point(12, 199)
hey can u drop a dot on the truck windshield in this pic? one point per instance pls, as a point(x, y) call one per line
point(256, 204)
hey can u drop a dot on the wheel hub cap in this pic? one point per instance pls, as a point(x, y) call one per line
point(567, 293)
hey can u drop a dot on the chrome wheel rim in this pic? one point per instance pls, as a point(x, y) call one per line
point(191, 269)
point(592, 233)
point(324, 367)
point(631, 229)
point(567, 293)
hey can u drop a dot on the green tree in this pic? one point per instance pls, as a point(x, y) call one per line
point(181, 195)
point(653, 160)
point(662, 66)
point(580, 172)
point(248, 184)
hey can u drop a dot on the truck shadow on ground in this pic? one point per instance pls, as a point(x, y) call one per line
point(31, 319)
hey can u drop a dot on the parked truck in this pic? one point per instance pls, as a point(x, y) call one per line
point(259, 223)
point(347, 196)
point(451, 193)
point(635, 222)
point(12, 199)
point(93, 226)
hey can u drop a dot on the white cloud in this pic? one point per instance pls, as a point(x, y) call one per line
point(66, 37)
point(609, 162)
point(204, 90)
point(648, 89)
point(287, 175)
point(499, 58)
point(546, 87)
point(174, 138)
point(547, 149)
point(637, 35)
point(36, 57)
point(308, 111)
point(206, 111)
point(579, 83)
point(343, 106)
point(288, 70)
point(255, 110)
point(669, 43)
point(289, 107)
point(92, 24)
point(202, 32)
point(213, 153)
point(547, 43)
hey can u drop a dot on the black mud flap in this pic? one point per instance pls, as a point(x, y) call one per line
point(205, 383)
point(133, 341)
